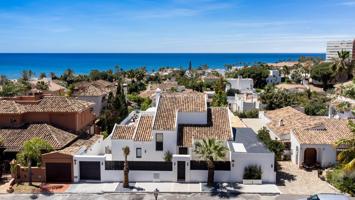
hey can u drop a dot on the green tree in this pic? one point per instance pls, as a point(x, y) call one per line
point(323, 73)
point(53, 75)
point(3, 79)
point(68, 76)
point(126, 152)
point(210, 150)
point(316, 107)
point(31, 154)
point(273, 145)
point(277, 98)
point(42, 75)
point(347, 156)
point(41, 85)
point(342, 66)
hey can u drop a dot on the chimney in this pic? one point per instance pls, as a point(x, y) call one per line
point(157, 96)
point(124, 85)
point(281, 122)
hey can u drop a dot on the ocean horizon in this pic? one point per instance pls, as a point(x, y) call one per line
point(12, 64)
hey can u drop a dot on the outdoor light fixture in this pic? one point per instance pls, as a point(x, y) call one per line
point(156, 193)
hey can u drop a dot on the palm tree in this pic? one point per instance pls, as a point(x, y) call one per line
point(210, 150)
point(342, 66)
point(53, 75)
point(125, 168)
point(31, 152)
point(347, 156)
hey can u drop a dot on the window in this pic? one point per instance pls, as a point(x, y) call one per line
point(138, 152)
point(159, 142)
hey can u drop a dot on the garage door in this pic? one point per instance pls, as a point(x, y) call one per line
point(58, 172)
point(89, 170)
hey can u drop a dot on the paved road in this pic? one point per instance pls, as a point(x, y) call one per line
point(145, 196)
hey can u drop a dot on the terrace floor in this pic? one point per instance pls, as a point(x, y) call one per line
point(292, 180)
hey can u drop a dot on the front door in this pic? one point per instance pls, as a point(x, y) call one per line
point(181, 171)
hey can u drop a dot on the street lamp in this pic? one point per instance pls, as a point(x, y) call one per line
point(156, 193)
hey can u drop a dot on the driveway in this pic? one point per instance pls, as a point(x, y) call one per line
point(292, 180)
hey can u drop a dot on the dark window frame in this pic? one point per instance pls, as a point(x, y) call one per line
point(159, 145)
point(137, 150)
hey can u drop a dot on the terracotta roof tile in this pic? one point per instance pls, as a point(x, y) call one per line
point(79, 144)
point(11, 107)
point(328, 131)
point(291, 119)
point(218, 127)
point(59, 104)
point(13, 139)
point(144, 129)
point(123, 132)
point(170, 103)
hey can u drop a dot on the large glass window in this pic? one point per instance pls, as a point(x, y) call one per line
point(159, 142)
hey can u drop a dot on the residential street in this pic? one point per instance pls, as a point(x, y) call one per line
point(148, 196)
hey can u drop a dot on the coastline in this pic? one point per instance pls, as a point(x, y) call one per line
point(12, 64)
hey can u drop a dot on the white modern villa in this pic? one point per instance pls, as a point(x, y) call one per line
point(172, 127)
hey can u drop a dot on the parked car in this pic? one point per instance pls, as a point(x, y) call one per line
point(327, 197)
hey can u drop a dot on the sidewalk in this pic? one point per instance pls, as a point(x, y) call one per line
point(168, 187)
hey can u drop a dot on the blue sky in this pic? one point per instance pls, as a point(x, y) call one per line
point(174, 25)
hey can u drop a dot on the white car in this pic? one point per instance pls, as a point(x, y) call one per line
point(327, 197)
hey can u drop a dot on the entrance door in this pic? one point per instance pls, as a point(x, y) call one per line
point(310, 156)
point(89, 170)
point(181, 171)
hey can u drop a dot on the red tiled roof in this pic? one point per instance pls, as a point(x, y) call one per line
point(218, 127)
point(13, 139)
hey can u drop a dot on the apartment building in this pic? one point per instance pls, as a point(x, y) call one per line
point(334, 46)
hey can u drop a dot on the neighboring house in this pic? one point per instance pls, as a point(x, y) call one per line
point(96, 92)
point(342, 108)
point(274, 77)
point(13, 139)
point(315, 144)
point(210, 78)
point(243, 102)
point(59, 164)
point(66, 113)
point(173, 126)
point(53, 87)
point(300, 131)
point(241, 84)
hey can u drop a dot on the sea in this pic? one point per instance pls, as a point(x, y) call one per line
point(12, 64)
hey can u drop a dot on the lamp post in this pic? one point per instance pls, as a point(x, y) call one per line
point(156, 193)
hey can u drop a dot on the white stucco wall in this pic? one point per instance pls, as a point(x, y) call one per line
point(148, 148)
point(241, 84)
point(242, 160)
point(94, 99)
point(326, 154)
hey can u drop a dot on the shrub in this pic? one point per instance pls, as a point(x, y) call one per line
point(168, 156)
point(340, 180)
point(252, 172)
point(232, 92)
point(249, 114)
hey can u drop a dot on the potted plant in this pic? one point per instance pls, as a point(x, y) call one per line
point(252, 175)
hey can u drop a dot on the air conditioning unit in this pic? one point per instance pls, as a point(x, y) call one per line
point(156, 177)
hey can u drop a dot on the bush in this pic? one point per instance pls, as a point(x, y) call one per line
point(249, 114)
point(273, 145)
point(232, 92)
point(338, 179)
point(316, 108)
point(168, 156)
point(252, 172)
